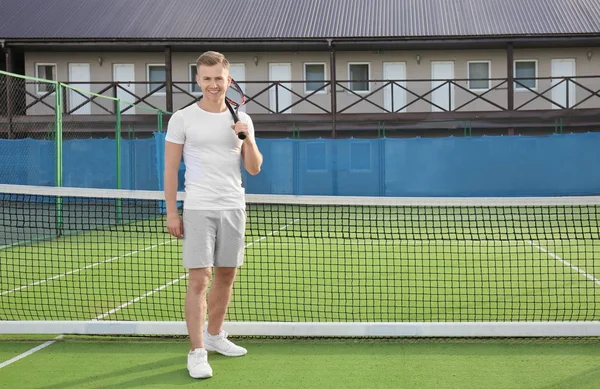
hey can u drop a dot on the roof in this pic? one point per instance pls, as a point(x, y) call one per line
point(294, 19)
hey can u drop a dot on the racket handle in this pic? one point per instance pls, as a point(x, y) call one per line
point(242, 136)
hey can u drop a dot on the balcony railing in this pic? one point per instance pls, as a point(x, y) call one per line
point(303, 97)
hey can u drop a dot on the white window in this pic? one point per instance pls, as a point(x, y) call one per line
point(157, 75)
point(479, 75)
point(45, 71)
point(194, 88)
point(526, 73)
point(359, 75)
point(314, 75)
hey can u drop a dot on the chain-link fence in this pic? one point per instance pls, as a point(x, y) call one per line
point(54, 134)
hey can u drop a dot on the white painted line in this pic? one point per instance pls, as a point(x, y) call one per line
point(29, 352)
point(176, 280)
point(84, 268)
point(566, 263)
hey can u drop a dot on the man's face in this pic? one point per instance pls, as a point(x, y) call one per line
point(214, 81)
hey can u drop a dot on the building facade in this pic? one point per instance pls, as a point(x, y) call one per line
point(520, 76)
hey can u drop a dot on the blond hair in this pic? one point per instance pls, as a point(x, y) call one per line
point(212, 58)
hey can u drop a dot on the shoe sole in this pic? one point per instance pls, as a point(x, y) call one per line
point(209, 348)
point(208, 375)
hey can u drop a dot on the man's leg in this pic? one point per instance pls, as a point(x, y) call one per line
point(199, 234)
point(229, 255)
point(195, 305)
point(219, 297)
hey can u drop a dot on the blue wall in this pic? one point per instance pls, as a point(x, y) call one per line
point(89, 163)
point(565, 164)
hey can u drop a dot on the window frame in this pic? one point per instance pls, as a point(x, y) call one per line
point(193, 80)
point(368, 90)
point(323, 90)
point(489, 63)
point(148, 86)
point(37, 75)
point(519, 88)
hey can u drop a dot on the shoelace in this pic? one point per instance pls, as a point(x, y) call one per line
point(196, 358)
point(222, 337)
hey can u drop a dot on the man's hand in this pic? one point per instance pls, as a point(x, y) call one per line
point(175, 225)
point(241, 127)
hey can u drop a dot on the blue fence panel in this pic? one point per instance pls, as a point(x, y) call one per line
point(316, 159)
point(27, 162)
point(91, 163)
point(565, 164)
point(278, 172)
point(139, 164)
point(493, 166)
point(358, 167)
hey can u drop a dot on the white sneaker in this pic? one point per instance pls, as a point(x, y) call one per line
point(222, 345)
point(197, 364)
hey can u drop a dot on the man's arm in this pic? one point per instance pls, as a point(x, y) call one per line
point(251, 156)
point(173, 152)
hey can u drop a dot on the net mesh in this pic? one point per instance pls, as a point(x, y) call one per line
point(84, 254)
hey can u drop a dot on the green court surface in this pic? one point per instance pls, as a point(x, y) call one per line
point(324, 364)
point(311, 264)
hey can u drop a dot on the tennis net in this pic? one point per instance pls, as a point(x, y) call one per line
point(78, 260)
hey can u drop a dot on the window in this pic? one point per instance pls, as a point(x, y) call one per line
point(194, 88)
point(157, 75)
point(359, 75)
point(314, 74)
point(525, 72)
point(479, 74)
point(45, 71)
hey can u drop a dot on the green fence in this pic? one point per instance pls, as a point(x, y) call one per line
point(54, 115)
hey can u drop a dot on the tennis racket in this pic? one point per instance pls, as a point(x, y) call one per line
point(235, 98)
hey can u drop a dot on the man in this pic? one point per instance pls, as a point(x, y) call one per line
point(214, 216)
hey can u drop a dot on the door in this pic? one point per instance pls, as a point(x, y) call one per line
point(124, 74)
point(442, 71)
point(563, 68)
point(237, 71)
point(394, 96)
point(279, 97)
point(79, 77)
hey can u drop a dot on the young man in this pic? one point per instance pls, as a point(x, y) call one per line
point(214, 216)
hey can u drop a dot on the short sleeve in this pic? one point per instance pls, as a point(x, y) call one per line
point(176, 129)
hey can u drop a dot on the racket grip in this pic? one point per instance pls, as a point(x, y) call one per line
point(242, 136)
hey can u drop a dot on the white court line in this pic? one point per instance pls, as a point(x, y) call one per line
point(29, 352)
point(176, 280)
point(84, 268)
point(567, 263)
point(35, 349)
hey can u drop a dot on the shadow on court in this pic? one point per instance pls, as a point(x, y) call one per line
point(587, 379)
point(175, 364)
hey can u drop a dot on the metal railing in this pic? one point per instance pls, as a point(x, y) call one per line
point(308, 97)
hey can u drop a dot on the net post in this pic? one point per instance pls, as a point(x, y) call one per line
point(118, 141)
point(59, 158)
point(118, 156)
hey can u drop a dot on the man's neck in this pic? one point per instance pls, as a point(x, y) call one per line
point(210, 106)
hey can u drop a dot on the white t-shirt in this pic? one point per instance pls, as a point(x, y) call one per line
point(212, 157)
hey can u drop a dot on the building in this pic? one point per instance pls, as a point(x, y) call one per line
point(427, 68)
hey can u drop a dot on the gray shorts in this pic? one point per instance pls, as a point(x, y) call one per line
point(213, 238)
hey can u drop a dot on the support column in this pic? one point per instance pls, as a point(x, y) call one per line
point(10, 85)
point(333, 88)
point(169, 78)
point(510, 90)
